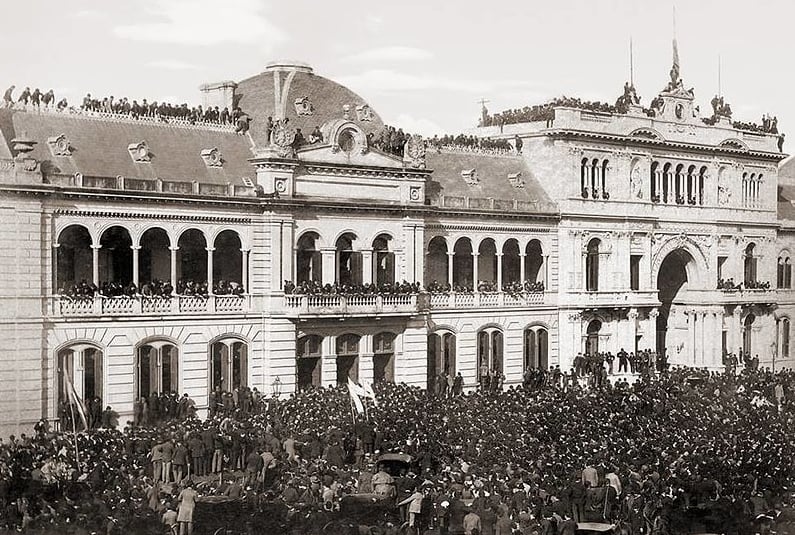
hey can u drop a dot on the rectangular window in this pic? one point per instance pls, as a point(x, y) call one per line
point(634, 271)
point(721, 265)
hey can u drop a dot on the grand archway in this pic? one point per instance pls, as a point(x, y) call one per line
point(675, 274)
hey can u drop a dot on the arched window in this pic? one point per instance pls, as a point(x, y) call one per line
point(384, 261)
point(436, 266)
point(349, 261)
point(228, 365)
point(655, 194)
point(192, 258)
point(592, 265)
point(489, 352)
point(462, 264)
point(115, 256)
point(605, 164)
point(384, 358)
point(308, 262)
point(487, 263)
point(592, 337)
point(441, 355)
point(347, 358)
point(749, 263)
point(157, 368)
point(748, 334)
point(784, 272)
point(227, 262)
point(82, 365)
point(692, 184)
point(595, 178)
point(758, 191)
point(702, 176)
point(74, 258)
point(534, 261)
point(585, 178)
point(667, 193)
point(678, 186)
point(308, 352)
point(785, 338)
point(536, 348)
point(511, 262)
point(154, 258)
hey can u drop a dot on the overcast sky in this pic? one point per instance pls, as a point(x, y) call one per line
point(422, 65)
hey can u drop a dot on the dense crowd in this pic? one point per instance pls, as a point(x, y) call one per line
point(318, 288)
point(533, 459)
point(84, 290)
point(511, 287)
point(543, 112)
point(730, 286)
point(467, 143)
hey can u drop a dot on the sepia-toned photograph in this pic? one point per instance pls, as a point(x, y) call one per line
point(412, 268)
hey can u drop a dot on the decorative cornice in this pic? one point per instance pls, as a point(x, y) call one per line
point(692, 147)
point(488, 228)
point(161, 217)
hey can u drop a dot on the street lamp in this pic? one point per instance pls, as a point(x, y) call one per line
point(276, 385)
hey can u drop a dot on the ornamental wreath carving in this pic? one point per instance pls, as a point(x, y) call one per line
point(282, 139)
point(414, 152)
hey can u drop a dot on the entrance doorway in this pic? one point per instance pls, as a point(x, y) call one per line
point(592, 337)
point(670, 280)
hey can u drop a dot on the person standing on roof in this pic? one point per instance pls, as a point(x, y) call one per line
point(8, 99)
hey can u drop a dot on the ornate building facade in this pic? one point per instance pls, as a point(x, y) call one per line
point(607, 231)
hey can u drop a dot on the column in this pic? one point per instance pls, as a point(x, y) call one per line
point(329, 265)
point(651, 337)
point(671, 187)
point(658, 183)
point(244, 274)
point(210, 269)
point(545, 271)
point(632, 318)
point(737, 331)
point(499, 272)
point(95, 263)
point(135, 249)
point(288, 252)
point(277, 259)
point(597, 180)
point(522, 267)
point(174, 266)
point(368, 267)
point(450, 257)
point(475, 270)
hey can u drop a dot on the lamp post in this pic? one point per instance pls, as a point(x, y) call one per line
point(276, 386)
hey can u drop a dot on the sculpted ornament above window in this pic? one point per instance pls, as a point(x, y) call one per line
point(139, 151)
point(364, 113)
point(60, 145)
point(212, 157)
point(304, 107)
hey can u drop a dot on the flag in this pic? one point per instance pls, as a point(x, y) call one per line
point(355, 391)
point(368, 390)
point(74, 399)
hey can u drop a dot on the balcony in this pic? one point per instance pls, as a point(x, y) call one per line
point(608, 299)
point(491, 300)
point(746, 296)
point(319, 305)
point(150, 306)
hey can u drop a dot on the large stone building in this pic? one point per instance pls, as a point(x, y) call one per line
point(629, 221)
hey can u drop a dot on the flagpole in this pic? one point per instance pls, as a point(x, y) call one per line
point(631, 65)
point(74, 434)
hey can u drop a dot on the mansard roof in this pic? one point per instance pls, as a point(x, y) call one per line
point(478, 177)
point(101, 147)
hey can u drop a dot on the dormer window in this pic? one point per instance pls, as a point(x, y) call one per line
point(139, 152)
point(470, 176)
point(212, 157)
point(60, 145)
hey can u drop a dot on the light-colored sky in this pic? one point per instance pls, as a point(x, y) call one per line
point(422, 65)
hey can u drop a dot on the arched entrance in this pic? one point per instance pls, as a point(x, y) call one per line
point(672, 278)
point(592, 337)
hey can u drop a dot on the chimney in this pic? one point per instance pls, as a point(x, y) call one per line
point(221, 94)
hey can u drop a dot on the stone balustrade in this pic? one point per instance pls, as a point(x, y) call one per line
point(350, 304)
point(156, 305)
point(476, 300)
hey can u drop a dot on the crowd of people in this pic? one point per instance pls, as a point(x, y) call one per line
point(483, 286)
point(533, 459)
point(466, 143)
point(769, 125)
point(729, 285)
point(318, 288)
point(85, 290)
point(543, 112)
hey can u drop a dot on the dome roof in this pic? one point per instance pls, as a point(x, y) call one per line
point(291, 89)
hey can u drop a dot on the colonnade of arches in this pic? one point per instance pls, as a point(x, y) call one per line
point(347, 357)
point(157, 368)
point(752, 188)
point(114, 257)
point(673, 183)
point(464, 267)
point(348, 263)
point(593, 178)
point(442, 351)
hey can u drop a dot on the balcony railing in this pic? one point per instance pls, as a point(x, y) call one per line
point(746, 295)
point(455, 300)
point(595, 299)
point(137, 306)
point(338, 304)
